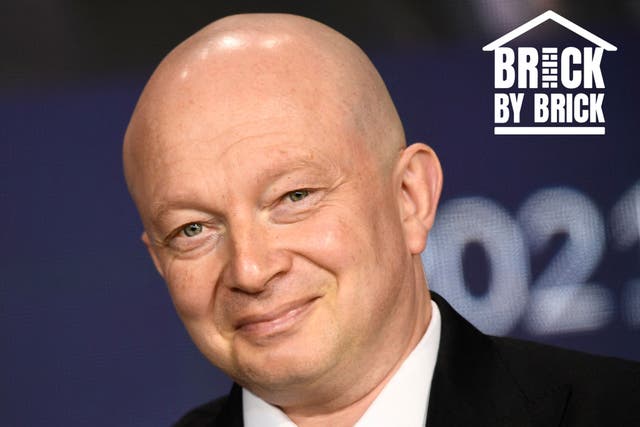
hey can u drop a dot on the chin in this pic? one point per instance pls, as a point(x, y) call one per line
point(281, 368)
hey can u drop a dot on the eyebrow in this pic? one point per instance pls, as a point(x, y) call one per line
point(160, 210)
point(279, 169)
point(276, 170)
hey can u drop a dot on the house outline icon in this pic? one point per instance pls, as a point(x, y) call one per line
point(549, 14)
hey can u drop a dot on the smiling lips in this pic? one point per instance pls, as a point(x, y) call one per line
point(275, 322)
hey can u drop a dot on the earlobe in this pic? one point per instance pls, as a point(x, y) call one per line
point(152, 251)
point(420, 184)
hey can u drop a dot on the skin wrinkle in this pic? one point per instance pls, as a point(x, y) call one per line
point(160, 210)
point(247, 109)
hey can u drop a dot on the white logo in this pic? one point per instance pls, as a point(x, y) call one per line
point(572, 95)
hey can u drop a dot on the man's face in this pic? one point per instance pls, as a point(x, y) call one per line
point(279, 237)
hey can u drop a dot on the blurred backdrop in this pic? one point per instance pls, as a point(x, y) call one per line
point(537, 237)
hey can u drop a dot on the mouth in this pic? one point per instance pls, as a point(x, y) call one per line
point(277, 321)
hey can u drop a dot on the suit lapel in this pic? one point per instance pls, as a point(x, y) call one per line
point(231, 414)
point(472, 386)
point(548, 409)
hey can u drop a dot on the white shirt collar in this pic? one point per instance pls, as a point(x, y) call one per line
point(402, 402)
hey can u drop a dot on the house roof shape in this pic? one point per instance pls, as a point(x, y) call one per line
point(549, 14)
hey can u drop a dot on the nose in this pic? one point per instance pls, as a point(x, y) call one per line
point(255, 258)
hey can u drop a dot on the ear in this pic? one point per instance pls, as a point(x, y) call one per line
point(152, 251)
point(419, 181)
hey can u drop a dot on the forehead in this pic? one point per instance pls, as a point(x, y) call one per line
point(211, 122)
point(249, 157)
point(220, 118)
point(255, 141)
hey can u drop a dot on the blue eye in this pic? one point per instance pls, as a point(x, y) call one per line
point(192, 229)
point(297, 195)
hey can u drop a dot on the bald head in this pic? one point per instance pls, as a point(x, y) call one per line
point(262, 64)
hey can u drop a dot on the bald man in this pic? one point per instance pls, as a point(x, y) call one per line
point(287, 215)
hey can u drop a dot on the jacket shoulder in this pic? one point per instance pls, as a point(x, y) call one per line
point(225, 411)
point(526, 358)
point(203, 415)
point(603, 389)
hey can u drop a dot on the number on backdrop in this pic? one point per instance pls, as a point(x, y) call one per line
point(562, 300)
point(459, 223)
point(625, 227)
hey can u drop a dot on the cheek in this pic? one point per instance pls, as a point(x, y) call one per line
point(363, 247)
point(363, 236)
point(191, 284)
point(343, 244)
point(331, 242)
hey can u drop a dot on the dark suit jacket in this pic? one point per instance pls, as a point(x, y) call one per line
point(488, 381)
